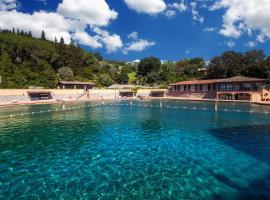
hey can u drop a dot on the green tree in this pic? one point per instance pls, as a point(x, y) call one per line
point(5, 68)
point(65, 73)
point(148, 65)
point(229, 64)
point(168, 72)
point(255, 64)
point(105, 80)
point(122, 77)
point(43, 35)
point(98, 56)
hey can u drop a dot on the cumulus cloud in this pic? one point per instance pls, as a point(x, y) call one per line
point(151, 7)
point(112, 42)
point(245, 16)
point(93, 12)
point(71, 20)
point(84, 38)
point(8, 5)
point(137, 44)
point(54, 24)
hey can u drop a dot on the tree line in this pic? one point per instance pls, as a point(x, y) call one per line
point(251, 64)
point(27, 61)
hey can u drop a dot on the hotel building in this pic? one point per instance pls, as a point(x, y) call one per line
point(235, 88)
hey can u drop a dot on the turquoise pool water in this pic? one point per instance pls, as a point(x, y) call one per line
point(183, 150)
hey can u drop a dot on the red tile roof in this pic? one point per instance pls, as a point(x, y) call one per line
point(241, 79)
point(227, 80)
point(195, 82)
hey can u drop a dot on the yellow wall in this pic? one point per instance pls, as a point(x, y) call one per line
point(19, 92)
point(256, 97)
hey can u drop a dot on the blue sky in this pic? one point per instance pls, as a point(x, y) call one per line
point(133, 29)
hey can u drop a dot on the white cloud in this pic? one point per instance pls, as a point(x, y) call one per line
point(230, 43)
point(172, 8)
point(170, 13)
point(245, 16)
point(262, 37)
point(92, 12)
point(209, 29)
point(112, 42)
point(133, 35)
point(151, 7)
point(251, 44)
point(137, 44)
point(181, 6)
point(7, 5)
point(86, 39)
point(53, 24)
point(60, 24)
point(195, 13)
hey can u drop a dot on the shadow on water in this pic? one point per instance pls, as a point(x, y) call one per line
point(252, 140)
point(257, 190)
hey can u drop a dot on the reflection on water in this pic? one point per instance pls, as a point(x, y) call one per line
point(118, 151)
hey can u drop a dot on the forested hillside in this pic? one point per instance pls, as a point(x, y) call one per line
point(26, 61)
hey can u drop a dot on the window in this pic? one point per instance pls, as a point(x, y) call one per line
point(209, 87)
point(229, 87)
point(201, 87)
point(222, 87)
point(236, 87)
point(247, 86)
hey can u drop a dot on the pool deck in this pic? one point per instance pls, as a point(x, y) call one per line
point(53, 101)
point(39, 102)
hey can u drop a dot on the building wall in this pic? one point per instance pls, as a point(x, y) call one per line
point(256, 97)
point(103, 94)
point(266, 95)
point(143, 92)
point(8, 95)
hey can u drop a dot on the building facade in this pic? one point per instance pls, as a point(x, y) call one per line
point(235, 88)
point(76, 85)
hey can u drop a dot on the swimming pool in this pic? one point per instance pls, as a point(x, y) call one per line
point(138, 150)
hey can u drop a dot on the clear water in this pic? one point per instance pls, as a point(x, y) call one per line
point(122, 152)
